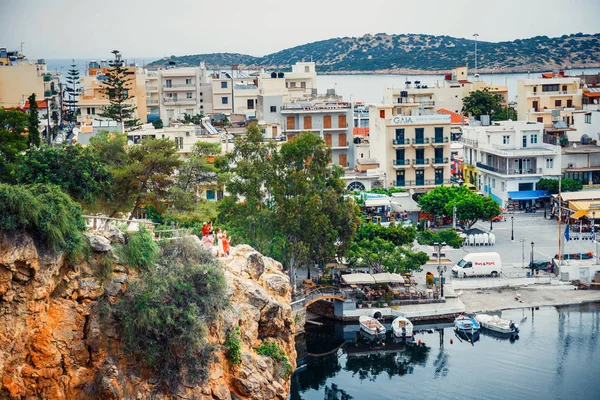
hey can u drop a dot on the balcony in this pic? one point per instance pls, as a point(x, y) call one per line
point(420, 141)
point(47, 78)
point(400, 142)
point(469, 142)
point(151, 89)
point(405, 183)
point(440, 161)
point(511, 171)
point(420, 161)
point(440, 140)
point(179, 101)
point(152, 102)
point(427, 103)
point(179, 86)
point(423, 183)
point(401, 163)
point(340, 146)
point(557, 93)
point(48, 93)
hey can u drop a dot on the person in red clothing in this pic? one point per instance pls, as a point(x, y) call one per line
point(205, 229)
point(226, 241)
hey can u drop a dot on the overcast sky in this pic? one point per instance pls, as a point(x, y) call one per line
point(148, 28)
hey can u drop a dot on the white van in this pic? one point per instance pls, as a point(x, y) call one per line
point(478, 264)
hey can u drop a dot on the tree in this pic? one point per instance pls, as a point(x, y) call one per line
point(117, 86)
point(34, 122)
point(72, 93)
point(13, 124)
point(157, 124)
point(566, 185)
point(482, 102)
point(383, 256)
point(448, 236)
point(75, 169)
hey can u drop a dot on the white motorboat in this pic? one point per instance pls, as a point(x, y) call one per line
point(402, 327)
point(496, 324)
point(371, 326)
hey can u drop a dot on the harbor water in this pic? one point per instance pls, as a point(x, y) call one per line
point(556, 356)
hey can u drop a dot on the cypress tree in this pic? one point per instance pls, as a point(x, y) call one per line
point(116, 87)
point(33, 122)
point(72, 91)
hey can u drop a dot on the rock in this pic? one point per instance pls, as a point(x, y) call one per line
point(277, 284)
point(271, 322)
point(90, 288)
point(114, 235)
point(255, 265)
point(221, 392)
point(112, 288)
point(98, 243)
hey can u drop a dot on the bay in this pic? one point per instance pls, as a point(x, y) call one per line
point(555, 357)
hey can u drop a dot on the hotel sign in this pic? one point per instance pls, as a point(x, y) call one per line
point(420, 119)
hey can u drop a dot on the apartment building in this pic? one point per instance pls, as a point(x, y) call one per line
point(19, 78)
point(549, 98)
point(93, 98)
point(233, 94)
point(509, 157)
point(412, 147)
point(298, 84)
point(447, 94)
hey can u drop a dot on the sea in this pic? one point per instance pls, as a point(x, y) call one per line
point(367, 88)
point(555, 356)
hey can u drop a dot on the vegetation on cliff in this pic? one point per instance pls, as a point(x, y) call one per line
point(381, 52)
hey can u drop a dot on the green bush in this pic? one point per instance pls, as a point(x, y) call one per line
point(45, 212)
point(140, 251)
point(164, 315)
point(271, 349)
point(234, 346)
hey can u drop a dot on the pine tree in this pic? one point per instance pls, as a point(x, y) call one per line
point(33, 122)
point(72, 91)
point(116, 87)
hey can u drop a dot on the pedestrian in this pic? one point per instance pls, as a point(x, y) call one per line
point(220, 252)
point(205, 229)
point(226, 241)
point(207, 242)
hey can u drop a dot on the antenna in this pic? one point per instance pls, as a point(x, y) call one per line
point(22, 43)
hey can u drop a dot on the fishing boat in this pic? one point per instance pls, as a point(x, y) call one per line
point(496, 324)
point(402, 327)
point(463, 323)
point(371, 326)
point(467, 336)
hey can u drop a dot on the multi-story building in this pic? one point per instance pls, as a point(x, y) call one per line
point(509, 157)
point(413, 148)
point(295, 85)
point(93, 98)
point(234, 94)
point(549, 98)
point(19, 78)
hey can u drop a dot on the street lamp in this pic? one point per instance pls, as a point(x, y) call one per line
point(522, 252)
point(512, 228)
point(440, 269)
point(594, 235)
point(531, 265)
point(491, 227)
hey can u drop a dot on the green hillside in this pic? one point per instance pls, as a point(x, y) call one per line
point(388, 53)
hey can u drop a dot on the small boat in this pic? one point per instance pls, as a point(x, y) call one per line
point(469, 337)
point(496, 324)
point(463, 323)
point(402, 327)
point(371, 326)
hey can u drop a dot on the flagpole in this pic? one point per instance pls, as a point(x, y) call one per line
point(559, 204)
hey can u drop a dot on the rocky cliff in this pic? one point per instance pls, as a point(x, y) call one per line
point(56, 341)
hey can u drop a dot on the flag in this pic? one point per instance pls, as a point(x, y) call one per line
point(567, 233)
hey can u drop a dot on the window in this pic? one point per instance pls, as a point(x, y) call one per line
point(569, 103)
point(201, 100)
point(588, 118)
point(549, 163)
point(327, 122)
point(223, 86)
point(210, 195)
point(188, 81)
point(303, 85)
point(489, 139)
point(564, 88)
point(169, 83)
point(549, 88)
point(224, 100)
point(188, 95)
point(200, 93)
point(179, 143)
point(503, 186)
point(506, 139)
point(557, 103)
point(89, 110)
point(292, 84)
point(524, 140)
point(202, 107)
point(273, 108)
point(307, 69)
point(250, 104)
point(533, 139)
point(540, 119)
point(381, 113)
point(493, 183)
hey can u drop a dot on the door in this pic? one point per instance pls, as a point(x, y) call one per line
point(535, 105)
point(307, 122)
point(420, 177)
point(420, 156)
point(439, 135)
point(439, 176)
point(419, 135)
point(343, 159)
point(400, 178)
point(400, 157)
point(328, 139)
point(439, 155)
point(291, 123)
point(342, 140)
point(524, 140)
point(342, 121)
point(327, 122)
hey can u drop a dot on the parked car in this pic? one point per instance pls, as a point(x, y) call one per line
point(478, 264)
point(499, 218)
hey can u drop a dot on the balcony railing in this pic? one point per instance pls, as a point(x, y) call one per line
point(422, 182)
point(440, 140)
point(470, 142)
point(418, 141)
point(47, 78)
point(420, 161)
point(179, 101)
point(427, 103)
point(400, 142)
point(47, 93)
point(511, 171)
point(401, 163)
point(151, 89)
point(151, 102)
point(440, 160)
point(556, 93)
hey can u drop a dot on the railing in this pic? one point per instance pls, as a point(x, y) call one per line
point(420, 161)
point(151, 88)
point(47, 93)
point(47, 78)
point(151, 102)
point(510, 171)
point(420, 140)
point(405, 183)
point(439, 140)
point(470, 142)
point(320, 293)
point(556, 93)
point(427, 103)
point(170, 234)
point(101, 223)
point(400, 142)
point(401, 163)
point(179, 100)
point(179, 85)
point(440, 160)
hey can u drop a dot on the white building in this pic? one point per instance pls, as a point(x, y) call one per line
point(295, 85)
point(510, 157)
point(234, 94)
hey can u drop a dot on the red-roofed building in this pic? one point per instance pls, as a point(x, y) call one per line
point(42, 110)
point(42, 104)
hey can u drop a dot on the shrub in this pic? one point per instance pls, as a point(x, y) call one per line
point(271, 349)
point(140, 251)
point(234, 346)
point(163, 315)
point(45, 212)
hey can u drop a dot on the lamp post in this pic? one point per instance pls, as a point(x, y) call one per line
point(544, 208)
point(438, 248)
point(491, 227)
point(531, 265)
point(512, 228)
point(594, 235)
point(522, 252)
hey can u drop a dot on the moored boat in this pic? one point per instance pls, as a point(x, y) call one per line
point(496, 324)
point(402, 327)
point(466, 324)
point(371, 326)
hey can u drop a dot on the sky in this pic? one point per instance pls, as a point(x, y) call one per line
point(149, 28)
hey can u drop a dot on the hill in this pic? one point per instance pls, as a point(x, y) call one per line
point(417, 52)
